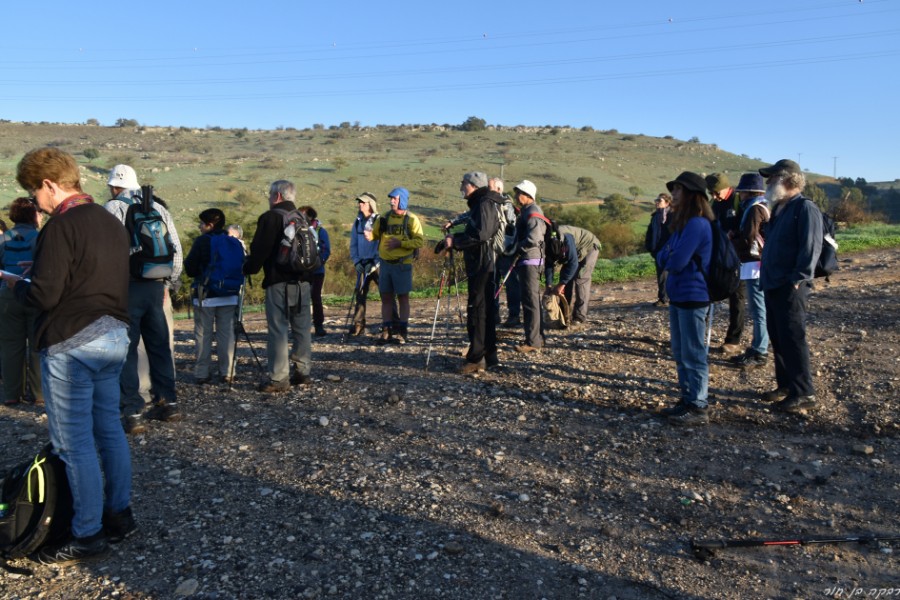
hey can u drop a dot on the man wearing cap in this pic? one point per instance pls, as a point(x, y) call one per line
point(530, 227)
point(400, 236)
point(726, 208)
point(288, 299)
point(364, 255)
point(748, 243)
point(148, 301)
point(475, 243)
point(793, 243)
point(583, 249)
point(505, 262)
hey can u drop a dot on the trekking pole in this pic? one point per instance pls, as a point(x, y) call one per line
point(709, 323)
point(703, 549)
point(450, 260)
point(505, 277)
point(238, 329)
point(437, 308)
point(354, 302)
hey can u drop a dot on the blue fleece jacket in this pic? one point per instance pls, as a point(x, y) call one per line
point(685, 282)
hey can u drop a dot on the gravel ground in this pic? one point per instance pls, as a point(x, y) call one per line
point(549, 478)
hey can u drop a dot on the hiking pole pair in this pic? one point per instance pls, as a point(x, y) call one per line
point(238, 329)
point(703, 549)
point(448, 263)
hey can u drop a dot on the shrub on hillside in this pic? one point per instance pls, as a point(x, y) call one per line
point(618, 239)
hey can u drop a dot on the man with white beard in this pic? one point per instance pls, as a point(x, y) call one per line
point(793, 243)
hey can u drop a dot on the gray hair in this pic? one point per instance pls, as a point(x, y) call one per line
point(285, 188)
point(237, 229)
point(793, 181)
point(496, 184)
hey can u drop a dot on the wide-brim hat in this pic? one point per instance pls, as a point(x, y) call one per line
point(123, 176)
point(689, 181)
point(368, 198)
point(785, 165)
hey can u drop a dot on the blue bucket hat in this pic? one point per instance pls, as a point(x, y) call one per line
point(403, 193)
point(751, 182)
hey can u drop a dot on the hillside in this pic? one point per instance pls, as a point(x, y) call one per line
point(198, 168)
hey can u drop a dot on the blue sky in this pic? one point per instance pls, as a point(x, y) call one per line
point(807, 79)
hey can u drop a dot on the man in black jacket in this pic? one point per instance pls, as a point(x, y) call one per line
point(726, 207)
point(475, 242)
point(288, 307)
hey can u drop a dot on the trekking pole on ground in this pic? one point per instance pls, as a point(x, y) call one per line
point(703, 549)
point(354, 302)
point(437, 308)
point(238, 329)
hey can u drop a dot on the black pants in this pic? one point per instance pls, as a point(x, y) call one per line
point(480, 322)
point(737, 315)
point(318, 310)
point(661, 276)
point(786, 322)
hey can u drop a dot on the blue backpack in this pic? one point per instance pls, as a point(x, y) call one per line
point(152, 250)
point(17, 248)
point(224, 275)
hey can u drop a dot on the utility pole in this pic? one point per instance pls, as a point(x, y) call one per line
point(799, 154)
point(835, 166)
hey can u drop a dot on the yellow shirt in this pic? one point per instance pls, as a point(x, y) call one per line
point(411, 237)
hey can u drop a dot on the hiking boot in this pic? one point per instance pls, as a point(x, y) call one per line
point(203, 380)
point(274, 387)
point(118, 526)
point(74, 551)
point(402, 335)
point(469, 368)
point(775, 395)
point(512, 322)
point(491, 361)
point(320, 331)
point(358, 329)
point(670, 410)
point(748, 360)
point(163, 411)
point(526, 349)
point(728, 349)
point(795, 404)
point(660, 303)
point(132, 425)
point(384, 337)
point(298, 378)
point(688, 414)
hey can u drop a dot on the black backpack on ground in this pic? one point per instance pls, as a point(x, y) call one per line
point(152, 250)
point(724, 275)
point(827, 263)
point(36, 507)
point(298, 253)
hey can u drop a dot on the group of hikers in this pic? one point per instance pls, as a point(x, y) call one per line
point(89, 302)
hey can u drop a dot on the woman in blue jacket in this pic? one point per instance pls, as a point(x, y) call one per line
point(686, 257)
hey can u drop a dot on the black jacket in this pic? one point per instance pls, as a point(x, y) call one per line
point(265, 244)
point(475, 240)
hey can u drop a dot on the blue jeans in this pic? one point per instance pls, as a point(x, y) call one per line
point(288, 315)
point(148, 322)
point(81, 391)
point(756, 298)
point(688, 336)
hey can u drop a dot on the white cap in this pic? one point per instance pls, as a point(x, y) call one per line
point(123, 176)
point(526, 187)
